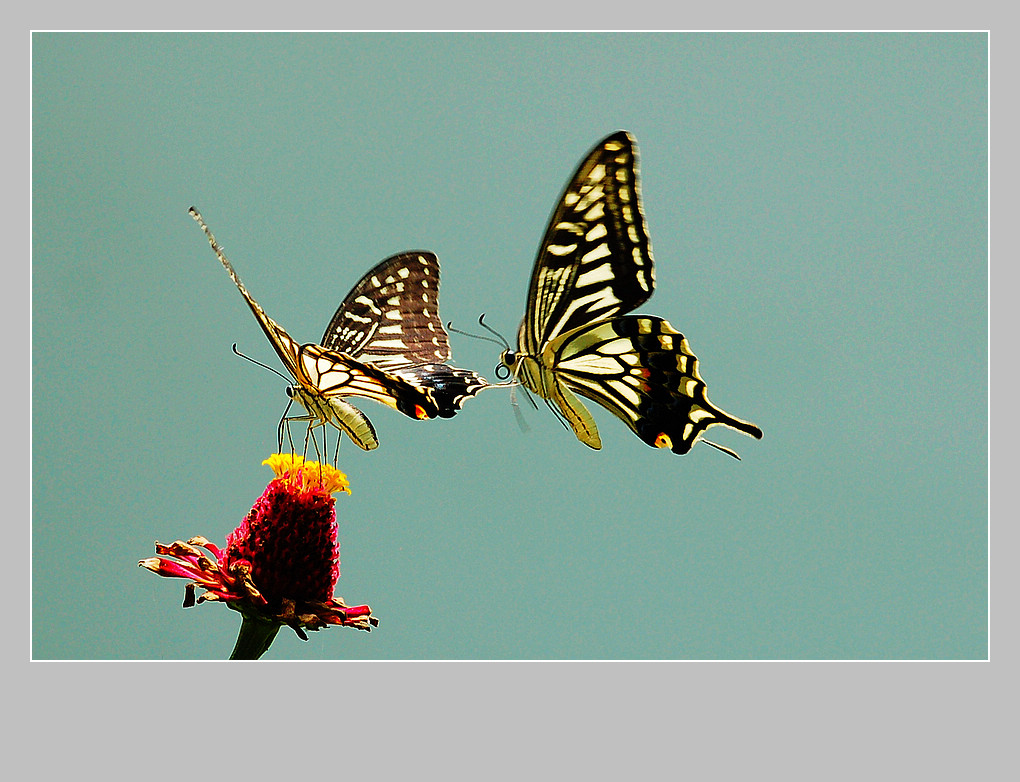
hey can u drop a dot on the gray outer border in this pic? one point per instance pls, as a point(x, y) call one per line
point(803, 720)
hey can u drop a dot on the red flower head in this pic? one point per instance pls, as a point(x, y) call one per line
point(280, 565)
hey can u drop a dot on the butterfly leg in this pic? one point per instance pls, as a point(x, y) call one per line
point(325, 441)
point(284, 423)
point(521, 423)
point(319, 458)
point(308, 435)
point(336, 453)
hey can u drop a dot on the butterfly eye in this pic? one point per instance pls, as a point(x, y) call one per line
point(291, 392)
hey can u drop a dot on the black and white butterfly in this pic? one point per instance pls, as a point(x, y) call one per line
point(385, 342)
point(594, 266)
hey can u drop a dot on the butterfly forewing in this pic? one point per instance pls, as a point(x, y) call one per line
point(286, 348)
point(596, 259)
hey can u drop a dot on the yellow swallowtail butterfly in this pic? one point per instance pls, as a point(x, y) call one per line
point(594, 266)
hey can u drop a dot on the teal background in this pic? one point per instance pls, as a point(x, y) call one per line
point(817, 208)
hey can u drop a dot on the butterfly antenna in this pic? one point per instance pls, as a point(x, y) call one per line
point(501, 339)
point(501, 342)
point(259, 363)
point(518, 415)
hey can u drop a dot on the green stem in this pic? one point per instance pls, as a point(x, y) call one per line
point(254, 638)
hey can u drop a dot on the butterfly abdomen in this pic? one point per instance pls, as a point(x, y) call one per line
point(340, 414)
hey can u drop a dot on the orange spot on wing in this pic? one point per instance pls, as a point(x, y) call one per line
point(663, 441)
point(420, 412)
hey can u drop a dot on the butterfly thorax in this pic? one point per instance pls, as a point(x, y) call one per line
point(528, 371)
point(315, 404)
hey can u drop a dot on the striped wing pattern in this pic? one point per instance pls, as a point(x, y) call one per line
point(323, 376)
point(390, 320)
point(596, 258)
point(576, 339)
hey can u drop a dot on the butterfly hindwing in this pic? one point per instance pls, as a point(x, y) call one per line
point(643, 371)
point(451, 386)
point(335, 374)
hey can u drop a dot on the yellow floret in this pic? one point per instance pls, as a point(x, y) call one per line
point(308, 475)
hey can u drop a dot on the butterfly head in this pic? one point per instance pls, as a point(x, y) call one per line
point(507, 366)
